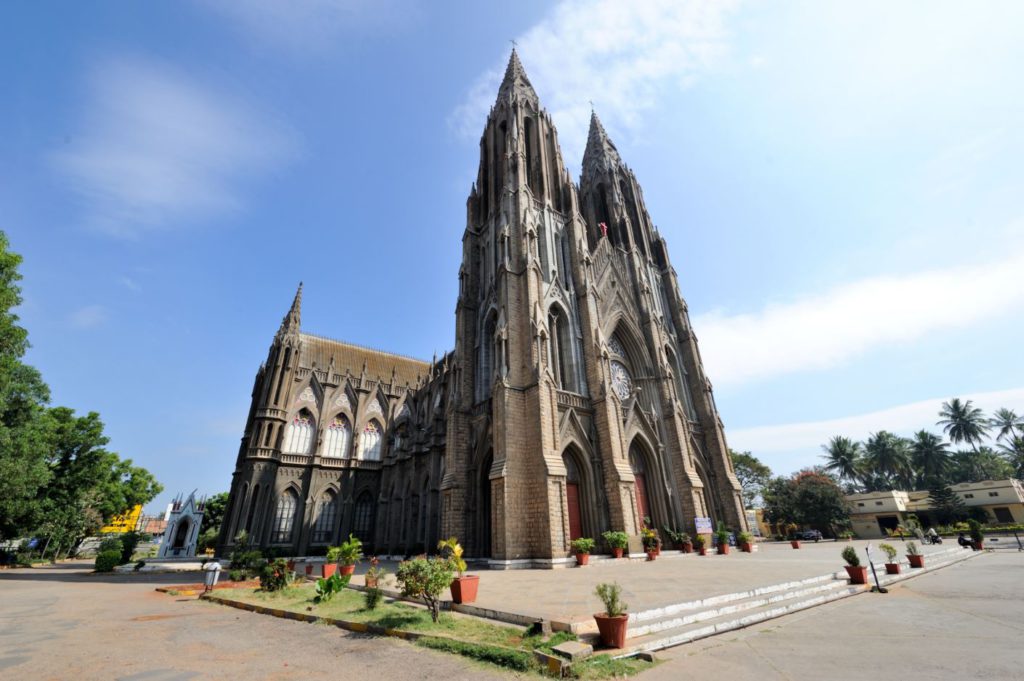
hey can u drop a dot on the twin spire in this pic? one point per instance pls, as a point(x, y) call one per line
point(515, 79)
point(292, 321)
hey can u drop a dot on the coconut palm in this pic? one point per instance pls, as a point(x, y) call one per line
point(843, 457)
point(1013, 451)
point(963, 422)
point(888, 455)
point(930, 458)
point(1007, 424)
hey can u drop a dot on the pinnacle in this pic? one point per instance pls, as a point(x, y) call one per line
point(600, 149)
point(515, 78)
point(292, 319)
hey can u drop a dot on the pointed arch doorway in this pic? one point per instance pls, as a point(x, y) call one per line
point(483, 524)
point(638, 464)
point(572, 497)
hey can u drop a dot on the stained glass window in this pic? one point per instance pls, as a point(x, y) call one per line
point(338, 437)
point(369, 445)
point(326, 516)
point(363, 518)
point(284, 517)
point(298, 436)
point(621, 381)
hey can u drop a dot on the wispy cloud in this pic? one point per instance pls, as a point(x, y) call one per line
point(310, 26)
point(821, 331)
point(158, 149)
point(903, 420)
point(129, 284)
point(89, 317)
point(623, 56)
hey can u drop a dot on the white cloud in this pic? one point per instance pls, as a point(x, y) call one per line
point(623, 56)
point(903, 420)
point(159, 149)
point(309, 26)
point(89, 317)
point(822, 331)
point(129, 284)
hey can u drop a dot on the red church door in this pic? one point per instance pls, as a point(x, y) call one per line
point(572, 494)
point(641, 496)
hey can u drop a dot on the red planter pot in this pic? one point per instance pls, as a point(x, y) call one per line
point(723, 549)
point(702, 551)
point(746, 547)
point(330, 569)
point(582, 558)
point(979, 545)
point(657, 551)
point(309, 570)
point(892, 568)
point(617, 553)
point(651, 555)
point(371, 583)
point(291, 566)
point(612, 629)
point(916, 561)
point(795, 543)
point(687, 547)
point(464, 588)
point(858, 575)
point(347, 569)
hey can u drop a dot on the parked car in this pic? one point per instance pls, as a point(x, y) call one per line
point(808, 535)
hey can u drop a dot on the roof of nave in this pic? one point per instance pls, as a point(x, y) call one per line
point(380, 365)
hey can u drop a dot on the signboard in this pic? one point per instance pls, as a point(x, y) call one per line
point(125, 522)
point(703, 525)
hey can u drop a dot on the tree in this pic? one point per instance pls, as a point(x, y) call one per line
point(843, 458)
point(810, 497)
point(963, 422)
point(949, 508)
point(930, 459)
point(889, 457)
point(1007, 424)
point(980, 464)
point(1013, 452)
point(213, 516)
point(752, 474)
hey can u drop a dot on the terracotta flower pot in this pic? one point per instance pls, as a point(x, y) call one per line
point(916, 561)
point(464, 588)
point(329, 569)
point(858, 575)
point(617, 552)
point(687, 547)
point(582, 558)
point(309, 570)
point(651, 555)
point(657, 550)
point(291, 566)
point(612, 629)
point(703, 551)
point(347, 569)
point(892, 568)
point(371, 583)
point(795, 543)
point(747, 547)
point(979, 545)
point(723, 549)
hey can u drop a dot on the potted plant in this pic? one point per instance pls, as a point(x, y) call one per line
point(617, 541)
point(680, 539)
point(846, 535)
point(977, 536)
point(613, 621)
point(701, 542)
point(464, 587)
point(349, 553)
point(914, 555)
point(794, 542)
point(650, 541)
point(857, 572)
point(722, 537)
point(891, 567)
point(746, 542)
point(582, 548)
point(375, 575)
point(331, 565)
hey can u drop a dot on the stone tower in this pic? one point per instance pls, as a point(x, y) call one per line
point(579, 403)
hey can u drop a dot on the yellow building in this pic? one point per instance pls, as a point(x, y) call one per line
point(126, 522)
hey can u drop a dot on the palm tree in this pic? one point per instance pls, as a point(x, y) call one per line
point(963, 422)
point(1013, 451)
point(1007, 423)
point(930, 457)
point(889, 456)
point(843, 457)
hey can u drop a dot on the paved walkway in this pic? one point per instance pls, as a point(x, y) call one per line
point(64, 623)
point(965, 621)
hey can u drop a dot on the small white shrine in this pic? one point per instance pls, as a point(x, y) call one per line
point(184, 519)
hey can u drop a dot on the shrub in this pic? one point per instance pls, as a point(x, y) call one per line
point(700, 541)
point(722, 536)
point(371, 597)
point(616, 539)
point(130, 540)
point(333, 554)
point(274, 575)
point(237, 575)
point(850, 556)
point(890, 551)
point(912, 549)
point(452, 550)
point(110, 544)
point(677, 537)
point(976, 534)
point(745, 538)
point(609, 595)
point(425, 578)
point(582, 545)
point(249, 562)
point(327, 587)
point(106, 561)
point(350, 552)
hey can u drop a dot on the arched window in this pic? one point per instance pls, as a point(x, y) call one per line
point(339, 434)
point(326, 517)
point(485, 369)
point(284, 516)
point(249, 528)
point(298, 436)
point(362, 520)
point(369, 443)
point(682, 385)
point(560, 344)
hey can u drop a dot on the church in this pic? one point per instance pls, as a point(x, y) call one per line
point(574, 401)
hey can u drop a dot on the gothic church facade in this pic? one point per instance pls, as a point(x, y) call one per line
point(574, 402)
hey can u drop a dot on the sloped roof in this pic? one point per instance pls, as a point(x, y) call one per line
point(318, 352)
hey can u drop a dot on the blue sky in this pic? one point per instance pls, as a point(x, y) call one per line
point(840, 185)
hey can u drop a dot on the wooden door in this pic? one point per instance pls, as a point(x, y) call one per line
point(572, 494)
point(641, 496)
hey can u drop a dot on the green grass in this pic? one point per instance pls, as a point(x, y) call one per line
point(604, 667)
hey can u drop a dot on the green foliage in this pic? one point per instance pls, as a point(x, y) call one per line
point(610, 594)
point(844, 458)
point(130, 540)
point(616, 539)
point(850, 556)
point(372, 597)
point(350, 552)
point(890, 551)
point(452, 550)
point(963, 422)
point(274, 575)
point(752, 474)
point(809, 498)
point(582, 545)
point(333, 554)
point(722, 535)
point(512, 659)
point(700, 541)
point(327, 587)
point(106, 561)
point(676, 537)
point(425, 579)
point(237, 575)
point(976, 533)
point(213, 514)
point(246, 561)
point(649, 538)
point(745, 538)
point(912, 549)
point(110, 543)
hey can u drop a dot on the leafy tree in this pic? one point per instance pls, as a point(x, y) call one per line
point(843, 458)
point(930, 459)
point(752, 474)
point(213, 513)
point(1013, 452)
point(948, 506)
point(810, 497)
point(963, 422)
point(979, 464)
point(889, 457)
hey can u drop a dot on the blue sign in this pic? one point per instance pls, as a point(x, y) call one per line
point(703, 525)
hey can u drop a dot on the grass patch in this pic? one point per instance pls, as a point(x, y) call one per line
point(520, 660)
point(604, 667)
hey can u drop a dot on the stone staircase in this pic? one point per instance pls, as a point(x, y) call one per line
point(679, 623)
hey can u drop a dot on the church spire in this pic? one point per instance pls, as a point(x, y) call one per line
point(600, 153)
point(292, 320)
point(515, 79)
